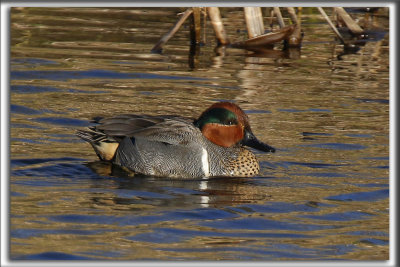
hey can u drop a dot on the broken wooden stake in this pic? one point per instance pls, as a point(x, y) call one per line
point(254, 21)
point(195, 26)
point(331, 24)
point(350, 23)
point(278, 13)
point(216, 21)
point(293, 16)
point(296, 38)
point(157, 48)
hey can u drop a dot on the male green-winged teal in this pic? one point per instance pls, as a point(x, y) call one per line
point(174, 146)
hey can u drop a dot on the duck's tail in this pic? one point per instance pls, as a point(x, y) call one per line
point(104, 146)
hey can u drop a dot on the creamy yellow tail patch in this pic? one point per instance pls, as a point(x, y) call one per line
point(105, 150)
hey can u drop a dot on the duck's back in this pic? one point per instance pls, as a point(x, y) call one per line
point(169, 146)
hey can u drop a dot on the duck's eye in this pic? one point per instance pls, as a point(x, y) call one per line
point(231, 122)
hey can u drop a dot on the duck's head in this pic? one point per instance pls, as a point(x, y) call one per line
point(225, 124)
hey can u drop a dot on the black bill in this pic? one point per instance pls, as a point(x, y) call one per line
point(251, 141)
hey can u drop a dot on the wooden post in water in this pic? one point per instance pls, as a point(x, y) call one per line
point(216, 21)
point(204, 12)
point(278, 13)
point(195, 26)
point(350, 23)
point(271, 18)
point(268, 11)
point(254, 21)
point(331, 24)
point(295, 38)
point(174, 29)
point(292, 14)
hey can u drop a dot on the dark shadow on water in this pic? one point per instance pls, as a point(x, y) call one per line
point(92, 74)
point(52, 256)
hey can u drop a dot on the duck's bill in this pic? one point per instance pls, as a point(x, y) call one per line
point(251, 141)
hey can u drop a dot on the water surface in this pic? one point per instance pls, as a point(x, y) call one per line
point(324, 195)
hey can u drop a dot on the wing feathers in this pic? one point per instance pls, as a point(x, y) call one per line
point(167, 129)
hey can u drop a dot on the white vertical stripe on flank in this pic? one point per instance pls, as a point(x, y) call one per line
point(204, 161)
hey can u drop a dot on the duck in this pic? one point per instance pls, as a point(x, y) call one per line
point(213, 145)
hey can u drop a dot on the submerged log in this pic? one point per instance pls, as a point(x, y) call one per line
point(268, 39)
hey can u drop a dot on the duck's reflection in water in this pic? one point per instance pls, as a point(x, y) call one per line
point(140, 191)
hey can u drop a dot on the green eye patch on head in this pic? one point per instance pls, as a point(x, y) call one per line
point(216, 115)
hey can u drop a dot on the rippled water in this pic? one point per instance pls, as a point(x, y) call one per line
point(323, 195)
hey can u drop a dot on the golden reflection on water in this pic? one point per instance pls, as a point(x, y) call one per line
point(286, 97)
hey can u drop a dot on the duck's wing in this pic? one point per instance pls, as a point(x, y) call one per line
point(167, 129)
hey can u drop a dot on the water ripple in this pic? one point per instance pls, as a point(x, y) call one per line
point(362, 196)
point(92, 74)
